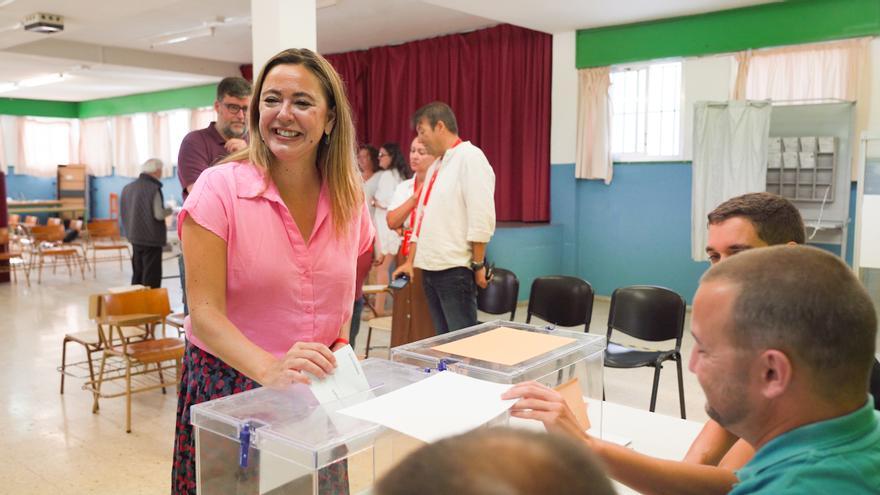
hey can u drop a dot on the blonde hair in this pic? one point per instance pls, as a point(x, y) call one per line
point(336, 154)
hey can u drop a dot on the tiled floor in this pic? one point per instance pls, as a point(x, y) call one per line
point(53, 444)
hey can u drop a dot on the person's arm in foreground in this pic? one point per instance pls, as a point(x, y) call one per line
point(643, 473)
point(206, 292)
point(711, 444)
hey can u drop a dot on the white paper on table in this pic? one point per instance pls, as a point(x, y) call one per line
point(441, 406)
point(347, 379)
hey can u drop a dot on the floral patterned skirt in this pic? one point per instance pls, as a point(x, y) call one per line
point(205, 377)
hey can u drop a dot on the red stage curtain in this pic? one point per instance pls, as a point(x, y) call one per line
point(498, 83)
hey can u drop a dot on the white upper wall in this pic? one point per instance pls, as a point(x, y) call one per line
point(708, 78)
point(563, 105)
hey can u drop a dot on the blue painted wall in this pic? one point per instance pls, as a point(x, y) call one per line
point(529, 251)
point(635, 230)
point(19, 186)
point(101, 187)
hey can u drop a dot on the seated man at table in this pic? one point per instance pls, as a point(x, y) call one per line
point(498, 461)
point(784, 346)
point(741, 223)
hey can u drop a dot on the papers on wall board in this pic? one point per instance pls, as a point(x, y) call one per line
point(437, 407)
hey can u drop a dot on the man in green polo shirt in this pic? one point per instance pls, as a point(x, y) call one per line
point(785, 341)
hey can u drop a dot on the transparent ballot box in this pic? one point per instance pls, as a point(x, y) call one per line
point(496, 351)
point(283, 442)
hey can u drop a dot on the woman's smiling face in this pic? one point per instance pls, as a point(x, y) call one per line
point(293, 113)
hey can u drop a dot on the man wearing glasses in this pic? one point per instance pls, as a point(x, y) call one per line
point(203, 148)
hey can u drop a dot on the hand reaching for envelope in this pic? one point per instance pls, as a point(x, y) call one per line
point(549, 406)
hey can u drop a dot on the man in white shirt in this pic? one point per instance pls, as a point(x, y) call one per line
point(454, 221)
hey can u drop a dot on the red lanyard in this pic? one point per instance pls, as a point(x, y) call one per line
point(430, 187)
point(412, 214)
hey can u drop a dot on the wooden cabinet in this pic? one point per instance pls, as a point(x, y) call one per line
point(73, 189)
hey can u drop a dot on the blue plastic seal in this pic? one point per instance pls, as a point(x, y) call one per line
point(244, 438)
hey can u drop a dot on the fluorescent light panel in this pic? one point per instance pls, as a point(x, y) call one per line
point(174, 38)
point(33, 82)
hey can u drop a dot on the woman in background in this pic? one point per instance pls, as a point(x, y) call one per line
point(394, 171)
point(368, 164)
point(412, 318)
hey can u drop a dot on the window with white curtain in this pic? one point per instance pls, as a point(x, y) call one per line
point(142, 136)
point(96, 146)
point(178, 128)
point(201, 117)
point(646, 112)
point(45, 144)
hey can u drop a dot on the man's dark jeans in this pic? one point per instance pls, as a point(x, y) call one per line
point(452, 298)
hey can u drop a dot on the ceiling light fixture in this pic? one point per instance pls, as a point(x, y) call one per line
point(180, 37)
point(33, 82)
point(42, 80)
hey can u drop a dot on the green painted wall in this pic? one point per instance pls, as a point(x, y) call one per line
point(776, 24)
point(39, 108)
point(192, 97)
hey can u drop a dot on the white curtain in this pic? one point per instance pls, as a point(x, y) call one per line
point(96, 146)
point(161, 142)
point(730, 158)
point(593, 158)
point(126, 156)
point(835, 70)
point(43, 144)
point(201, 117)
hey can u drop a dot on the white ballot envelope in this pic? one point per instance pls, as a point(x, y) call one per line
point(346, 380)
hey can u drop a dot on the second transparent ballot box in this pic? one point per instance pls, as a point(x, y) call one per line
point(277, 442)
point(509, 352)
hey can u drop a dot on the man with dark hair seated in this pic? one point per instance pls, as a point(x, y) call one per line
point(498, 461)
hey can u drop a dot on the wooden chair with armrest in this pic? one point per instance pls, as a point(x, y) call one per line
point(148, 308)
point(91, 341)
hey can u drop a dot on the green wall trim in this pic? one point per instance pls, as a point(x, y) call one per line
point(39, 108)
point(191, 97)
point(170, 99)
point(775, 24)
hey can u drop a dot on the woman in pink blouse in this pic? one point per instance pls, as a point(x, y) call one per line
point(272, 240)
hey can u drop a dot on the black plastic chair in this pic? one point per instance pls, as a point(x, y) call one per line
point(501, 294)
point(561, 300)
point(648, 313)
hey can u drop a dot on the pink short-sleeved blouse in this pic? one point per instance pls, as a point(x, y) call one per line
point(279, 290)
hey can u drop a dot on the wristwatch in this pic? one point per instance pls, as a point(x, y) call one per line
point(475, 265)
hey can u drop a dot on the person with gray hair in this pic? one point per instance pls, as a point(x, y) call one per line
point(142, 211)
